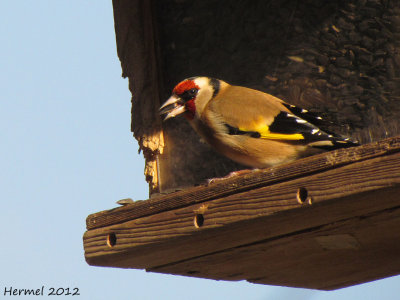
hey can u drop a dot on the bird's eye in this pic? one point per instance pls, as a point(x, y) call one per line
point(192, 92)
point(189, 94)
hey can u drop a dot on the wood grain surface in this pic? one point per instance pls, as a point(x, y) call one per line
point(302, 167)
point(209, 238)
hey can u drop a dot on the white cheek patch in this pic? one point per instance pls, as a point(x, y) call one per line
point(204, 94)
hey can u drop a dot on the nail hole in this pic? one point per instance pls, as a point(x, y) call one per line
point(111, 240)
point(302, 195)
point(198, 220)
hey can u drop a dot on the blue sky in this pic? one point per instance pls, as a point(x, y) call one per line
point(67, 151)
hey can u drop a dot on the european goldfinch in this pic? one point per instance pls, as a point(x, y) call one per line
point(249, 126)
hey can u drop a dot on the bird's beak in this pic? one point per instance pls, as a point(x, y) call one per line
point(172, 107)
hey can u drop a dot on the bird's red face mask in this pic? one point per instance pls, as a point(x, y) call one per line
point(182, 100)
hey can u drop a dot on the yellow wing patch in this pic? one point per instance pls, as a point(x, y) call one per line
point(263, 129)
point(280, 136)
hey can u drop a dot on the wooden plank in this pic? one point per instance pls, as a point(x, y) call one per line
point(264, 213)
point(265, 177)
point(138, 50)
point(332, 256)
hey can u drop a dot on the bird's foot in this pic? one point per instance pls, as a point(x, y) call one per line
point(230, 175)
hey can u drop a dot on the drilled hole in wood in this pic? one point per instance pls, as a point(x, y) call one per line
point(302, 195)
point(111, 240)
point(198, 220)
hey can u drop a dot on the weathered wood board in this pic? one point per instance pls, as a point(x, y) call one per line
point(323, 222)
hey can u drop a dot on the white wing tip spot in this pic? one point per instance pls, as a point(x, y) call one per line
point(314, 131)
point(301, 121)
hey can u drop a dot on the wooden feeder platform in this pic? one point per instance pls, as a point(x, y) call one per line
point(323, 222)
